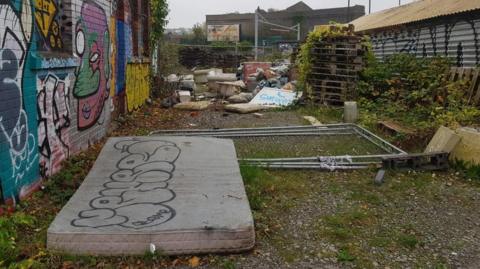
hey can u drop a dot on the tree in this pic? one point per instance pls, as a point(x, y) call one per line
point(159, 12)
point(199, 33)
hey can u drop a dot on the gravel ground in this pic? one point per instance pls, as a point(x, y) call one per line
point(311, 219)
point(342, 220)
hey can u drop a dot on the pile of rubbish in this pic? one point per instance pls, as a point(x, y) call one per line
point(255, 86)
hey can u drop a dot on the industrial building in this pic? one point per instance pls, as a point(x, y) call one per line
point(300, 13)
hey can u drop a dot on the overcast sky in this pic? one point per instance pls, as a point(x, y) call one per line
point(185, 13)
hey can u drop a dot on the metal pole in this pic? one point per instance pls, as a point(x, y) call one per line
point(399, 2)
point(348, 12)
point(299, 36)
point(256, 34)
point(369, 6)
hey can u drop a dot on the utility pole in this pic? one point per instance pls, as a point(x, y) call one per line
point(348, 12)
point(369, 6)
point(299, 36)
point(399, 2)
point(256, 34)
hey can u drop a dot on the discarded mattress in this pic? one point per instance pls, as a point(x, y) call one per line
point(184, 195)
point(275, 97)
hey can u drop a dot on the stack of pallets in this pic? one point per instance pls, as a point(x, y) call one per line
point(336, 63)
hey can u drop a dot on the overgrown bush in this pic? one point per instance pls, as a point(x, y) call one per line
point(416, 91)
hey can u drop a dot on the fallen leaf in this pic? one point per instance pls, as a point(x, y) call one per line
point(194, 262)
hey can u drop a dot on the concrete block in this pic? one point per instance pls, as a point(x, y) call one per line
point(184, 96)
point(444, 140)
point(201, 75)
point(193, 106)
point(185, 195)
point(214, 78)
point(468, 149)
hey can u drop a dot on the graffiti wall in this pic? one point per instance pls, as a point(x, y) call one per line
point(137, 85)
point(456, 37)
point(62, 65)
point(18, 147)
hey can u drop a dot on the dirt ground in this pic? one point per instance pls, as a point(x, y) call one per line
point(303, 219)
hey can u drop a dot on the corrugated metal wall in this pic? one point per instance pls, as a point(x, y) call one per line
point(455, 36)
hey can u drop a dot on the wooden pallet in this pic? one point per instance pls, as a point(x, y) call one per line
point(472, 75)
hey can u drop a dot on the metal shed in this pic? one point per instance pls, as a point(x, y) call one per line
point(427, 28)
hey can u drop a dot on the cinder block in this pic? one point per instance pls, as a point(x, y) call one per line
point(468, 149)
point(445, 140)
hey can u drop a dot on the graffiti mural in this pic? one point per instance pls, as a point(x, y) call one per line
point(449, 39)
point(137, 193)
point(121, 37)
point(46, 18)
point(53, 102)
point(62, 65)
point(137, 85)
point(92, 42)
point(18, 151)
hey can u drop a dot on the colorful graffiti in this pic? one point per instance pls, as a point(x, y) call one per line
point(53, 102)
point(137, 85)
point(46, 12)
point(92, 42)
point(18, 151)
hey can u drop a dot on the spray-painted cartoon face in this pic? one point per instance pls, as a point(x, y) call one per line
point(92, 45)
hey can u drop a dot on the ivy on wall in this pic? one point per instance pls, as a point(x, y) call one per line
point(159, 12)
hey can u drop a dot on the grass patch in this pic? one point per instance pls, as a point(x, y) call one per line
point(367, 197)
point(11, 228)
point(345, 256)
point(345, 226)
point(407, 240)
point(468, 170)
point(228, 264)
point(257, 184)
point(325, 114)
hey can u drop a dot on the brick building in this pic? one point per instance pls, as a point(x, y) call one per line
point(66, 67)
point(298, 13)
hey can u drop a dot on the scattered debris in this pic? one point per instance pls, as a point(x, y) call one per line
point(213, 80)
point(253, 68)
point(201, 76)
point(422, 161)
point(445, 140)
point(395, 128)
point(380, 177)
point(275, 97)
point(258, 115)
point(194, 106)
point(313, 121)
point(241, 98)
point(228, 89)
point(184, 96)
point(469, 147)
point(245, 108)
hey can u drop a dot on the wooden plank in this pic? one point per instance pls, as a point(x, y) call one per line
point(474, 87)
